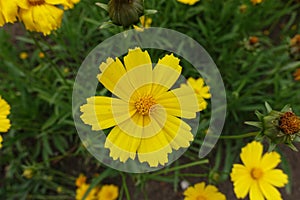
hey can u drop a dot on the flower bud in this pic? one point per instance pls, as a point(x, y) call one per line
point(280, 127)
point(125, 12)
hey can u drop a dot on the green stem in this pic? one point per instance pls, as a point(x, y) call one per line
point(125, 186)
point(54, 66)
point(251, 134)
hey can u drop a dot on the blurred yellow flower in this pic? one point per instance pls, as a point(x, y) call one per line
point(41, 15)
point(145, 115)
point(23, 55)
point(201, 192)
point(80, 191)
point(202, 92)
point(80, 180)
point(41, 55)
point(69, 4)
point(4, 112)
point(108, 192)
point(189, 2)
point(8, 11)
point(297, 75)
point(254, 2)
point(28, 173)
point(257, 176)
point(1, 140)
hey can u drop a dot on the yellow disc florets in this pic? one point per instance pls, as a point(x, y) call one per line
point(289, 123)
point(36, 2)
point(143, 104)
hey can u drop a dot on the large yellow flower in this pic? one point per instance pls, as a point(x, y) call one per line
point(8, 11)
point(189, 2)
point(200, 192)
point(257, 176)
point(108, 192)
point(41, 15)
point(4, 112)
point(145, 114)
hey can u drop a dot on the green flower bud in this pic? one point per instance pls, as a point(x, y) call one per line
point(125, 12)
point(280, 127)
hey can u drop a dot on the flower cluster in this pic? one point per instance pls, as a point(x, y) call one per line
point(105, 192)
point(37, 15)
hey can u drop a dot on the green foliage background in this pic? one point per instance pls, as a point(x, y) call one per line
point(43, 137)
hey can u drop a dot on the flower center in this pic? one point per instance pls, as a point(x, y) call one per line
point(256, 173)
point(200, 198)
point(289, 123)
point(36, 2)
point(143, 104)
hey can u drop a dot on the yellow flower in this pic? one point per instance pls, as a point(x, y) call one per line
point(254, 2)
point(145, 113)
point(202, 92)
point(145, 21)
point(108, 192)
point(28, 173)
point(82, 190)
point(41, 55)
point(202, 192)
point(69, 4)
point(189, 2)
point(4, 112)
point(41, 15)
point(257, 176)
point(80, 180)
point(8, 11)
point(1, 140)
point(23, 55)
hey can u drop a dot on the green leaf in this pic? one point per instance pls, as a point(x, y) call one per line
point(102, 5)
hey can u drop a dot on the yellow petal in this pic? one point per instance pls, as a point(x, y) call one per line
point(9, 10)
point(2, 20)
point(180, 102)
point(165, 74)
point(121, 145)
point(275, 177)
point(270, 192)
point(251, 154)
point(26, 17)
point(4, 124)
point(99, 114)
point(270, 160)
point(135, 58)
point(241, 180)
point(255, 192)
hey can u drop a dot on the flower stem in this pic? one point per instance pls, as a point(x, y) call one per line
point(251, 134)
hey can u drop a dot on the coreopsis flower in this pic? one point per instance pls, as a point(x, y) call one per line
point(295, 47)
point(125, 12)
point(41, 15)
point(108, 192)
point(257, 176)
point(41, 55)
point(254, 2)
point(145, 114)
point(4, 112)
point(201, 192)
point(189, 2)
point(80, 192)
point(23, 55)
point(28, 173)
point(81, 179)
point(202, 92)
point(8, 11)
point(297, 75)
point(279, 127)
